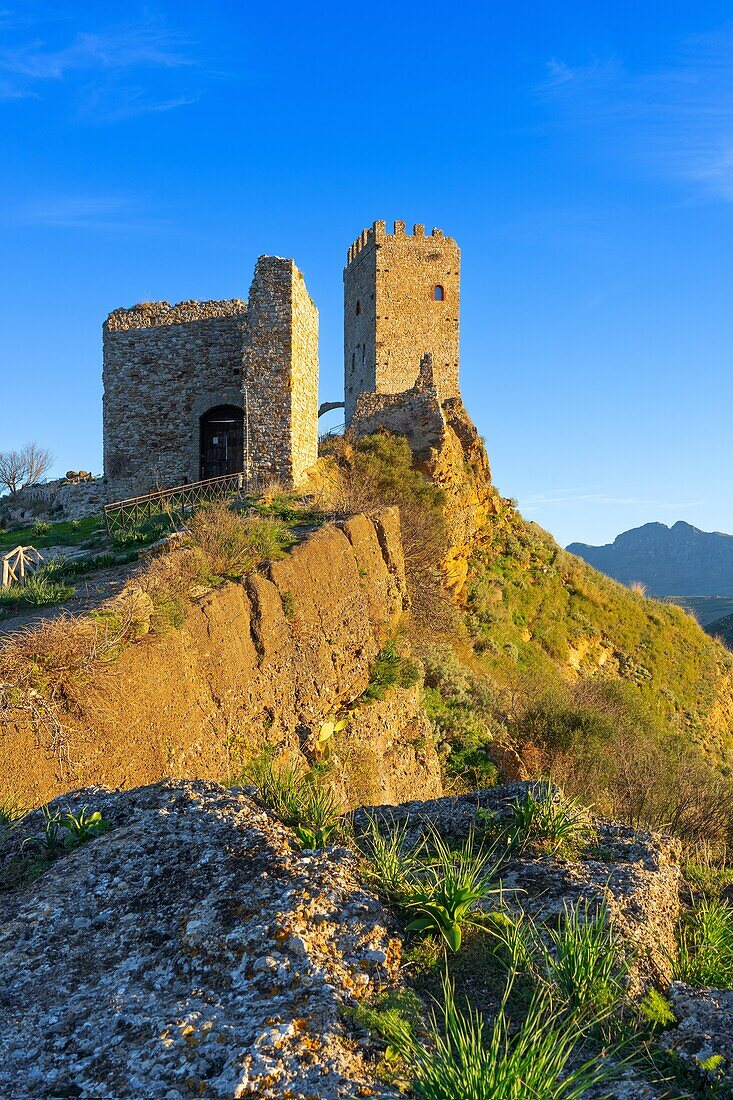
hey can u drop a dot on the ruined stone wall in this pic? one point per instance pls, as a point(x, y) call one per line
point(391, 315)
point(164, 366)
point(304, 388)
point(415, 414)
point(281, 371)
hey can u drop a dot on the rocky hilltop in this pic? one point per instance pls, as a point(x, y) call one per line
point(670, 561)
point(193, 949)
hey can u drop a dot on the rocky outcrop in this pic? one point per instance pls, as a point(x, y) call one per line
point(191, 951)
point(634, 874)
point(448, 449)
point(264, 662)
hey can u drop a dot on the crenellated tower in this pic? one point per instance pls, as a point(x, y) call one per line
point(401, 301)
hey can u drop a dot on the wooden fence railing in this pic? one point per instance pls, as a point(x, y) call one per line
point(122, 514)
point(19, 562)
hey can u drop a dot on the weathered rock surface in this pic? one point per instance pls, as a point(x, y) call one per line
point(705, 1028)
point(634, 873)
point(191, 951)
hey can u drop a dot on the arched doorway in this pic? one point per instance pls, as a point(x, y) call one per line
point(222, 441)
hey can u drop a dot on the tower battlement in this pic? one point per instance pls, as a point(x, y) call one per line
point(378, 233)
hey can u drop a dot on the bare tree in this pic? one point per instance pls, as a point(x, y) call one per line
point(12, 470)
point(23, 467)
point(38, 460)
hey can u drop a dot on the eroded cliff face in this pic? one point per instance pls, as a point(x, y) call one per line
point(260, 663)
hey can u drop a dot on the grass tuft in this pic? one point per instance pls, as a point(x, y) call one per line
point(467, 1058)
point(706, 946)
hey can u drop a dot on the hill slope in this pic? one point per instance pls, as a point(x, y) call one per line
point(536, 609)
point(671, 561)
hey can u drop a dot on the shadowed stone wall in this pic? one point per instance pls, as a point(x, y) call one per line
point(164, 366)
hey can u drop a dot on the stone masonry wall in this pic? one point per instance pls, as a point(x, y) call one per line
point(281, 371)
point(391, 315)
point(164, 366)
point(304, 388)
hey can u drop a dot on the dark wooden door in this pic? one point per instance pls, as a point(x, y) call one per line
point(222, 441)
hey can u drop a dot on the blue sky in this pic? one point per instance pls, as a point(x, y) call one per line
point(581, 154)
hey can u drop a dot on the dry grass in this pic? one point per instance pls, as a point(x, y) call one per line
point(231, 544)
point(43, 668)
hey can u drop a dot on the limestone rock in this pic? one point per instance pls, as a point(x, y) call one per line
point(705, 1028)
point(189, 951)
point(635, 874)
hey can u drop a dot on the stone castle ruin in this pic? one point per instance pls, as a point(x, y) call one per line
point(202, 389)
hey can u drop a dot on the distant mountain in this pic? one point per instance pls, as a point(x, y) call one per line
point(670, 561)
point(723, 629)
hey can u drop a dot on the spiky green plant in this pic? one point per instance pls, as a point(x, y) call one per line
point(299, 798)
point(585, 963)
point(706, 945)
point(392, 860)
point(446, 890)
point(546, 816)
point(467, 1058)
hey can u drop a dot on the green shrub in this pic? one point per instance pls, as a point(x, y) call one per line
point(463, 710)
point(40, 527)
point(656, 1010)
point(389, 670)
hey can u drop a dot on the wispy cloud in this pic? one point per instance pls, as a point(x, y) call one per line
point(119, 213)
point(120, 48)
point(112, 73)
point(676, 119)
point(560, 497)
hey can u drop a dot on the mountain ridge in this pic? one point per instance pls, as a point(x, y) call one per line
point(680, 560)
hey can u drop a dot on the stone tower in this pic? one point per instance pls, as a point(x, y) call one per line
point(401, 301)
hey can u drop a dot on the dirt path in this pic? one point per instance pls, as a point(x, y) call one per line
point(92, 590)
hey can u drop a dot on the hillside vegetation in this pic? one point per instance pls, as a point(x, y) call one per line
point(552, 668)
